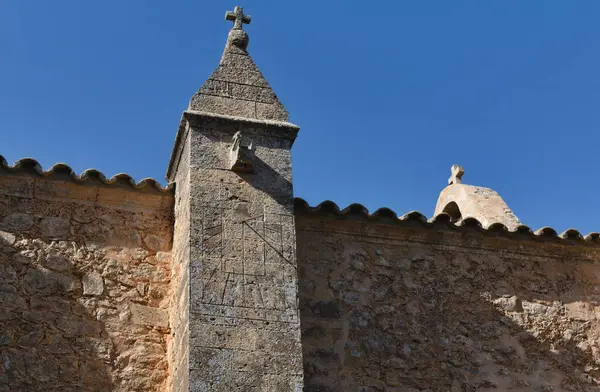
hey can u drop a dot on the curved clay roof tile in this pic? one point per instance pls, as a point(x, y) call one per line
point(414, 216)
point(441, 218)
point(548, 232)
point(356, 209)
point(64, 171)
point(386, 215)
point(498, 227)
point(571, 234)
point(592, 237)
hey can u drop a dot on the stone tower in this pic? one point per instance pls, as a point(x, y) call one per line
point(236, 319)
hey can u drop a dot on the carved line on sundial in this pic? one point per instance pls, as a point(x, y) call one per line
point(270, 245)
point(248, 252)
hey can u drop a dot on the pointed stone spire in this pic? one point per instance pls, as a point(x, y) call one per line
point(237, 87)
point(235, 241)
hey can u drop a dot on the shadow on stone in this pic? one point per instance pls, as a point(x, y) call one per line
point(269, 181)
point(405, 318)
point(83, 297)
point(48, 340)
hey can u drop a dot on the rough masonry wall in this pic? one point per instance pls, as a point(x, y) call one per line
point(84, 286)
point(389, 308)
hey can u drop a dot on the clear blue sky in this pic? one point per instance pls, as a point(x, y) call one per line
point(388, 94)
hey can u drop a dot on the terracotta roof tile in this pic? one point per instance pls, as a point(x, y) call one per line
point(443, 220)
point(61, 171)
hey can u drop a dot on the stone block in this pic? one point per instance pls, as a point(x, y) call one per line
point(510, 304)
point(47, 281)
point(252, 93)
point(146, 315)
point(78, 327)
point(111, 196)
point(224, 105)
point(53, 304)
point(58, 262)
point(221, 336)
point(156, 243)
point(239, 69)
point(7, 238)
point(580, 310)
point(57, 190)
point(16, 186)
point(32, 338)
point(215, 87)
point(17, 222)
point(271, 111)
point(141, 201)
point(55, 227)
point(93, 284)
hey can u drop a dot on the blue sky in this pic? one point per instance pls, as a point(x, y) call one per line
point(388, 94)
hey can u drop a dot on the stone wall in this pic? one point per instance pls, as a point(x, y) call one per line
point(399, 307)
point(180, 315)
point(84, 286)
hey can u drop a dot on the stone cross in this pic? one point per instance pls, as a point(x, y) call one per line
point(238, 17)
point(457, 173)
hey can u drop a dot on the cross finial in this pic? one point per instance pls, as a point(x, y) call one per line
point(457, 173)
point(238, 17)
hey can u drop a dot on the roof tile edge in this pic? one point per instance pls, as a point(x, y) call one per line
point(386, 215)
point(30, 165)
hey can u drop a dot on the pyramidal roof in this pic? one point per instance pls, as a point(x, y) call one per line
point(237, 87)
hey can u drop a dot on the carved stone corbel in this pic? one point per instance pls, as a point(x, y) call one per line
point(241, 154)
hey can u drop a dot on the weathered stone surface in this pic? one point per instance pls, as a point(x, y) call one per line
point(271, 112)
point(156, 243)
point(146, 315)
point(93, 284)
point(54, 227)
point(239, 68)
point(57, 262)
point(446, 312)
point(49, 282)
point(7, 238)
point(32, 338)
point(511, 304)
point(224, 105)
point(17, 222)
point(56, 313)
point(6, 337)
